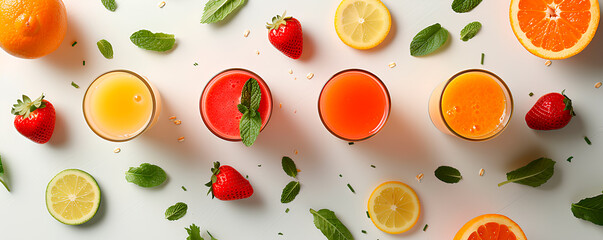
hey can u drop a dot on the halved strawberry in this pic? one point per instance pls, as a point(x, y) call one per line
point(228, 184)
point(35, 119)
point(285, 34)
point(551, 111)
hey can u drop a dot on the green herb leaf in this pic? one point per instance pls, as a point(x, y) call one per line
point(470, 31)
point(176, 211)
point(147, 175)
point(483, 56)
point(105, 48)
point(448, 174)
point(425, 227)
point(2, 175)
point(194, 233)
point(569, 159)
point(428, 40)
point(217, 10)
point(251, 122)
point(351, 188)
point(159, 42)
point(290, 192)
point(463, 6)
point(110, 5)
point(212, 237)
point(589, 209)
point(534, 174)
point(588, 141)
point(326, 221)
point(289, 166)
point(73, 84)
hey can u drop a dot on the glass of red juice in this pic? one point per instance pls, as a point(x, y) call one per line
point(354, 105)
point(219, 100)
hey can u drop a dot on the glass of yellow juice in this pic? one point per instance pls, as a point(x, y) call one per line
point(120, 105)
point(474, 105)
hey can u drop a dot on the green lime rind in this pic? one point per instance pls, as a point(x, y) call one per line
point(94, 184)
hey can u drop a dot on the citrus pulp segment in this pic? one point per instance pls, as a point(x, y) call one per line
point(362, 24)
point(490, 226)
point(394, 207)
point(554, 29)
point(73, 197)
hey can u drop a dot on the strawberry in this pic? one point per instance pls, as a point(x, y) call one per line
point(35, 119)
point(228, 184)
point(285, 34)
point(551, 111)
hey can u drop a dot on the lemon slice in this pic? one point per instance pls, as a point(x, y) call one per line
point(394, 207)
point(72, 197)
point(362, 24)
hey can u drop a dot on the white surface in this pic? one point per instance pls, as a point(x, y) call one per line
point(408, 145)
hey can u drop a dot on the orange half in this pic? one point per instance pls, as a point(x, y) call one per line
point(490, 227)
point(554, 29)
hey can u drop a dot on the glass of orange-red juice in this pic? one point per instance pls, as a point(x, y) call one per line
point(474, 105)
point(354, 105)
point(121, 105)
point(219, 100)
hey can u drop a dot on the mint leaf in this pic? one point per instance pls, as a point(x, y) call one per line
point(109, 5)
point(176, 211)
point(470, 31)
point(448, 174)
point(589, 209)
point(463, 6)
point(326, 221)
point(251, 122)
point(289, 166)
point(194, 232)
point(290, 192)
point(428, 40)
point(159, 42)
point(217, 10)
point(147, 175)
point(2, 175)
point(534, 174)
point(105, 48)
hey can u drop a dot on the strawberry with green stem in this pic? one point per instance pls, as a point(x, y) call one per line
point(551, 111)
point(285, 34)
point(228, 184)
point(34, 119)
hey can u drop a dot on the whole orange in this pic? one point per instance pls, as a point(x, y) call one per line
point(32, 28)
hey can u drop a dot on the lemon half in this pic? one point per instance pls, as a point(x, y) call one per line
point(362, 24)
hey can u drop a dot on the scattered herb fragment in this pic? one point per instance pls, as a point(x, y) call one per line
point(212, 237)
point(428, 40)
point(183, 188)
point(287, 210)
point(589, 209)
point(74, 43)
point(463, 6)
point(351, 143)
point(531, 94)
point(425, 227)
point(280, 234)
point(373, 166)
point(195, 64)
point(340, 175)
point(448, 174)
point(176, 211)
point(363, 231)
point(470, 31)
point(147, 40)
point(75, 85)
point(109, 5)
point(251, 122)
point(351, 189)
point(588, 141)
point(194, 232)
point(534, 174)
point(147, 175)
point(367, 215)
point(326, 221)
point(259, 165)
point(483, 56)
point(84, 63)
point(105, 48)
point(569, 159)
point(289, 166)
point(290, 192)
point(217, 10)
point(2, 175)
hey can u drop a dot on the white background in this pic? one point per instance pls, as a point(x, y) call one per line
point(408, 145)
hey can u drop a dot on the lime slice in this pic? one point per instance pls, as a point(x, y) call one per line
point(73, 197)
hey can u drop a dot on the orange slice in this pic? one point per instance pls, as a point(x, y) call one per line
point(554, 29)
point(491, 227)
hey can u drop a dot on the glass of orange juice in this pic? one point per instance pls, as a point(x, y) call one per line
point(120, 105)
point(474, 105)
point(354, 105)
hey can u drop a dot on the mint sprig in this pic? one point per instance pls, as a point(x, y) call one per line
point(448, 174)
point(105, 48)
point(148, 40)
point(147, 175)
point(217, 10)
point(176, 211)
point(470, 31)
point(251, 122)
point(428, 40)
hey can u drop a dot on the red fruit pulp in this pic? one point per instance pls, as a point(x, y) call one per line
point(220, 98)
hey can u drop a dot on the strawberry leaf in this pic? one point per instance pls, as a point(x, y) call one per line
point(25, 107)
point(568, 103)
